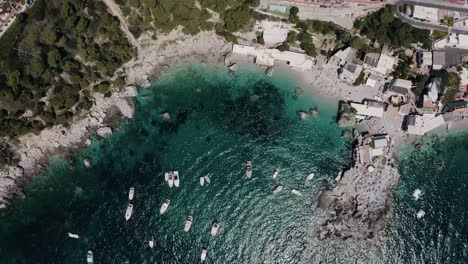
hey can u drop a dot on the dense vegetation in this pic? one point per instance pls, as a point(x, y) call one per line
point(194, 16)
point(50, 60)
point(384, 27)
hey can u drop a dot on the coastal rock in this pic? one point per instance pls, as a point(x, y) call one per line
point(298, 90)
point(87, 162)
point(126, 107)
point(302, 114)
point(269, 71)
point(313, 111)
point(130, 91)
point(166, 116)
point(104, 132)
point(228, 58)
point(233, 67)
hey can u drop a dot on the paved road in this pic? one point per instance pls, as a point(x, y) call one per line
point(429, 25)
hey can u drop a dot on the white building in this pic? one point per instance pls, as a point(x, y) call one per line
point(372, 80)
point(368, 109)
point(267, 57)
point(274, 33)
point(351, 72)
point(426, 13)
point(385, 64)
point(341, 57)
point(433, 90)
point(427, 59)
point(420, 125)
point(454, 40)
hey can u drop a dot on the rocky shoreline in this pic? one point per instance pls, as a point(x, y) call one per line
point(34, 151)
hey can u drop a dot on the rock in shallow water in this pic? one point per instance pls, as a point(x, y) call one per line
point(104, 132)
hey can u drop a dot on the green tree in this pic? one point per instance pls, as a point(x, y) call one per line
point(53, 58)
point(292, 37)
point(49, 36)
point(284, 46)
point(14, 78)
point(293, 17)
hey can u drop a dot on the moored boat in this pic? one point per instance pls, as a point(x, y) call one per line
point(89, 257)
point(276, 173)
point(129, 211)
point(278, 189)
point(310, 176)
point(164, 206)
point(248, 169)
point(170, 179)
point(131, 193)
point(188, 223)
point(296, 192)
point(202, 181)
point(203, 254)
point(151, 242)
point(176, 179)
point(166, 176)
point(417, 194)
point(214, 228)
point(207, 179)
point(73, 235)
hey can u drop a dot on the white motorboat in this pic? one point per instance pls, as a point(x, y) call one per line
point(176, 179)
point(203, 254)
point(310, 176)
point(296, 192)
point(166, 176)
point(131, 193)
point(278, 189)
point(207, 179)
point(151, 242)
point(214, 228)
point(420, 214)
point(73, 235)
point(248, 169)
point(89, 257)
point(129, 211)
point(202, 181)
point(170, 179)
point(417, 194)
point(164, 206)
point(276, 173)
point(188, 223)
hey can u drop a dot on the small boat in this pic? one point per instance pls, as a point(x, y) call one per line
point(176, 179)
point(310, 177)
point(89, 257)
point(164, 206)
point(417, 194)
point(248, 169)
point(296, 192)
point(203, 254)
point(276, 173)
point(207, 179)
point(73, 235)
point(131, 193)
point(188, 223)
point(170, 179)
point(166, 176)
point(420, 214)
point(202, 181)
point(129, 211)
point(214, 228)
point(151, 242)
point(278, 189)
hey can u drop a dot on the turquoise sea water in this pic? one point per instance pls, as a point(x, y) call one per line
point(218, 123)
